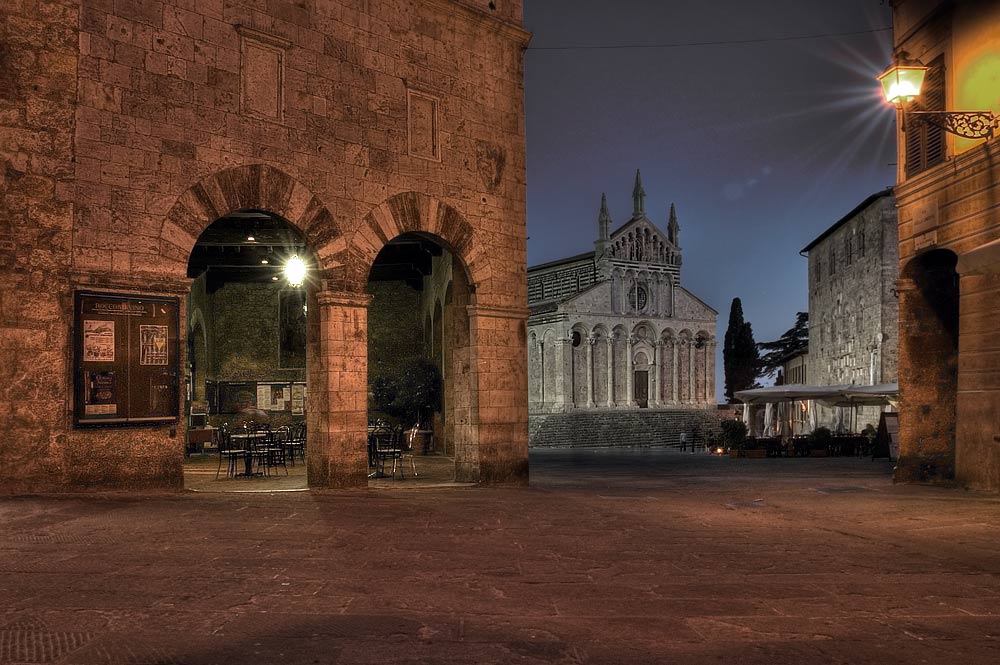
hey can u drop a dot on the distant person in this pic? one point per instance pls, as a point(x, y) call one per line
point(684, 442)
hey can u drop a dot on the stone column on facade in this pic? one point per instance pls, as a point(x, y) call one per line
point(674, 388)
point(590, 371)
point(611, 371)
point(658, 359)
point(709, 367)
point(692, 391)
point(541, 373)
point(629, 379)
point(337, 417)
point(563, 388)
point(614, 289)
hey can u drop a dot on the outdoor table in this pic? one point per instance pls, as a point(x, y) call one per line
point(246, 439)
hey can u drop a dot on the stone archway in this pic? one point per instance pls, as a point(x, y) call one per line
point(251, 187)
point(928, 366)
point(497, 432)
point(261, 187)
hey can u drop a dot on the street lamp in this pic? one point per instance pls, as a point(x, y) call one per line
point(295, 271)
point(901, 84)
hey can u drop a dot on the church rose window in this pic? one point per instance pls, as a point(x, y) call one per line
point(638, 296)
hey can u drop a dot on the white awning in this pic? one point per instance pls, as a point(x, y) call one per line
point(839, 395)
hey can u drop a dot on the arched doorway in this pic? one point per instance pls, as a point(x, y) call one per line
point(928, 367)
point(424, 389)
point(248, 306)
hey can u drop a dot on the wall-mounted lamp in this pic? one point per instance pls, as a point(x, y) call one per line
point(901, 84)
point(295, 271)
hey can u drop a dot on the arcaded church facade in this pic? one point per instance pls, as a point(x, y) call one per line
point(356, 130)
point(614, 328)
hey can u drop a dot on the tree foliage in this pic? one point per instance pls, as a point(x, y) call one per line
point(740, 357)
point(793, 341)
point(410, 394)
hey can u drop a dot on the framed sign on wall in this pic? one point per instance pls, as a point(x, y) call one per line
point(126, 360)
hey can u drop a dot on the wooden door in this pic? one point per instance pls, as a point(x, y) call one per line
point(642, 388)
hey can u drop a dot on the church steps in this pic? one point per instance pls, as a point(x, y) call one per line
point(625, 428)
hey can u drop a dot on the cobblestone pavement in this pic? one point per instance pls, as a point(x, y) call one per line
point(645, 557)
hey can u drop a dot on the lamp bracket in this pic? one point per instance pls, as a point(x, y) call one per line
point(967, 124)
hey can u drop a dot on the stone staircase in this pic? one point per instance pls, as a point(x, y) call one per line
point(613, 428)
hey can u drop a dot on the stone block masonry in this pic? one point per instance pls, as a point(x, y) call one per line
point(126, 128)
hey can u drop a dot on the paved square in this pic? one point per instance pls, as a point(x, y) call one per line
point(609, 557)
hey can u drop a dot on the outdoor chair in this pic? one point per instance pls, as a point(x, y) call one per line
point(406, 445)
point(269, 453)
point(387, 447)
point(233, 456)
point(295, 442)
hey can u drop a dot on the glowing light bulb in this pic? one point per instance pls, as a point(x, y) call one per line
point(295, 271)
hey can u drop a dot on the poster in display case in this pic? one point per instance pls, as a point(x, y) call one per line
point(126, 364)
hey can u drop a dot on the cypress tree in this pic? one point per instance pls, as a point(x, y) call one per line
point(740, 357)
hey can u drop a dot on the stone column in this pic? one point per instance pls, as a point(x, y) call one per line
point(692, 386)
point(709, 372)
point(590, 371)
point(614, 288)
point(658, 359)
point(626, 305)
point(629, 379)
point(674, 388)
point(337, 413)
point(563, 397)
point(541, 374)
point(611, 371)
point(496, 448)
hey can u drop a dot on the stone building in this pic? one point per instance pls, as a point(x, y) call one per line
point(795, 368)
point(949, 235)
point(358, 131)
point(614, 328)
point(853, 310)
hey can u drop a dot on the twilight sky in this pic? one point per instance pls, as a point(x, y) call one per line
point(762, 146)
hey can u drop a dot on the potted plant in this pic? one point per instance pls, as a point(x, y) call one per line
point(733, 437)
point(819, 442)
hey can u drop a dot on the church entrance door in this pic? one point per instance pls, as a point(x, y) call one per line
point(642, 388)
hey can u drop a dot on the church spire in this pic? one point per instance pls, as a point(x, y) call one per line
point(638, 197)
point(673, 228)
point(604, 220)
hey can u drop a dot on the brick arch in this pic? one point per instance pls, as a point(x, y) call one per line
point(413, 212)
point(256, 187)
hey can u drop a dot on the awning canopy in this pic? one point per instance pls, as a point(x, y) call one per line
point(840, 395)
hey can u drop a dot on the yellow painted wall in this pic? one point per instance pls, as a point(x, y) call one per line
point(975, 69)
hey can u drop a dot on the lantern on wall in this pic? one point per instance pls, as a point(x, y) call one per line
point(295, 271)
point(901, 83)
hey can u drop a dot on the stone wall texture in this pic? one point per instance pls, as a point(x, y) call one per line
point(949, 364)
point(853, 309)
point(126, 128)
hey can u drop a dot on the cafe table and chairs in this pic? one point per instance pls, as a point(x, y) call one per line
point(249, 443)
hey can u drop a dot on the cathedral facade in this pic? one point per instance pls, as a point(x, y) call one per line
point(614, 328)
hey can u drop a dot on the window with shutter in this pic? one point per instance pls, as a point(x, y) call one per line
point(925, 143)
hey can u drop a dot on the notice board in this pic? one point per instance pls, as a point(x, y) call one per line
point(126, 363)
point(887, 437)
